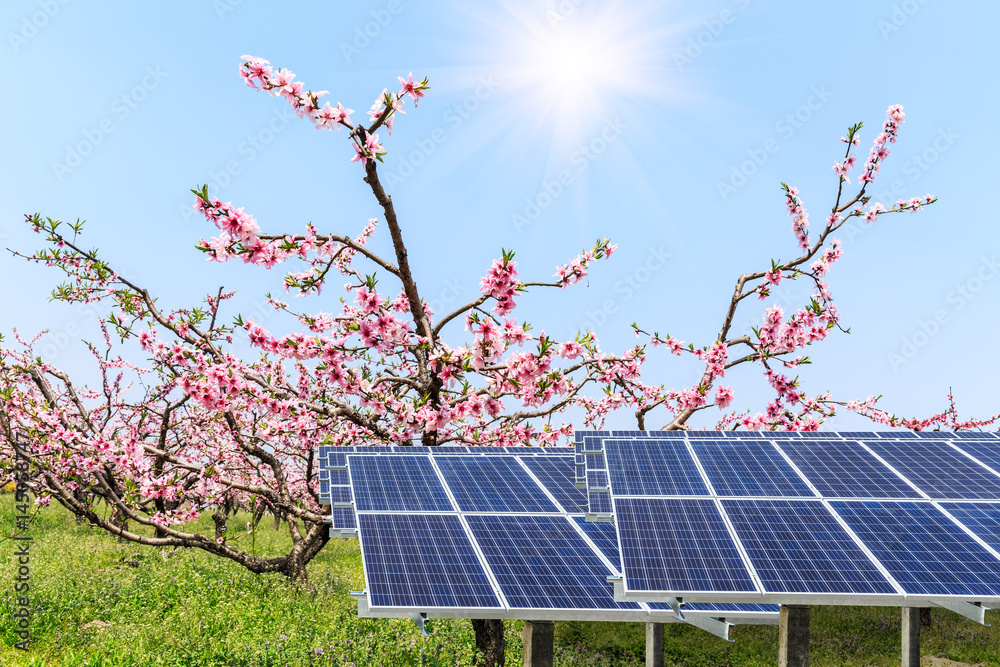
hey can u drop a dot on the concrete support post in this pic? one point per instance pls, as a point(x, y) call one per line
point(793, 636)
point(539, 637)
point(911, 637)
point(654, 645)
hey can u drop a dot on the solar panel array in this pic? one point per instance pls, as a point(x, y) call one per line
point(840, 518)
point(488, 533)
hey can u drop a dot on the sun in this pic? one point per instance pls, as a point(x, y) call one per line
point(569, 66)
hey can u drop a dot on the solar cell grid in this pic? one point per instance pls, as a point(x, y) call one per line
point(797, 546)
point(678, 546)
point(983, 519)
point(340, 494)
point(551, 566)
point(422, 560)
point(652, 468)
point(736, 468)
point(344, 518)
point(922, 549)
point(984, 450)
point(339, 477)
point(493, 484)
point(845, 469)
point(604, 536)
point(556, 475)
point(397, 483)
point(938, 470)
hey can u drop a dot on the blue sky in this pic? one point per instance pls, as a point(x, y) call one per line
point(666, 126)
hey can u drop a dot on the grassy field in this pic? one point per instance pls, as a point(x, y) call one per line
point(97, 602)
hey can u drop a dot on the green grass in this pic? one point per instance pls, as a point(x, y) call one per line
point(97, 602)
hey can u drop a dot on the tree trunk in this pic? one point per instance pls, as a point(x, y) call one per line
point(490, 642)
point(220, 525)
point(119, 520)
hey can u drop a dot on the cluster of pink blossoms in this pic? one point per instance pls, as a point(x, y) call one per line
point(800, 217)
point(576, 269)
point(893, 119)
point(259, 75)
point(500, 282)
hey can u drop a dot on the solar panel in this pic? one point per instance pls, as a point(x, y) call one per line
point(398, 483)
point(938, 470)
point(340, 494)
point(924, 551)
point(422, 560)
point(983, 519)
point(845, 469)
point(604, 536)
point(652, 468)
point(797, 546)
point(343, 518)
point(738, 468)
point(493, 484)
point(985, 451)
point(542, 562)
point(678, 546)
point(556, 475)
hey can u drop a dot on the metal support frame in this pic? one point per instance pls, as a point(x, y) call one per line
point(654, 644)
point(539, 643)
point(911, 637)
point(793, 636)
point(970, 610)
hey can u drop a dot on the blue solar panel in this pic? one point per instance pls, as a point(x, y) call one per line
point(856, 434)
point(339, 477)
point(344, 517)
point(987, 451)
point(845, 469)
point(983, 519)
point(556, 474)
point(543, 563)
point(678, 546)
point(974, 435)
point(652, 468)
point(397, 483)
point(938, 470)
point(797, 546)
point(421, 560)
point(736, 468)
point(598, 500)
point(604, 536)
point(922, 548)
point(493, 484)
point(340, 494)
